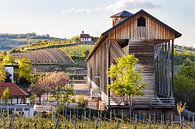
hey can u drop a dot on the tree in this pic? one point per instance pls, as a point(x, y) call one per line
point(184, 80)
point(85, 53)
point(25, 68)
point(126, 79)
point(66, 97)
point(58, 81)
point(50, 83)
point(32, 98)
point(8, 59)
point(2, 72)
point(6, 95)
point(40, 86)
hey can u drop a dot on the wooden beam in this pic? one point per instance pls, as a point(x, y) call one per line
point(169, 71)
point(108, 66)
point(172, 67)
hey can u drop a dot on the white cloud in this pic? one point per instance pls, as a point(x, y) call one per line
point(117, 6)
point(74, 10)
point(130, 5)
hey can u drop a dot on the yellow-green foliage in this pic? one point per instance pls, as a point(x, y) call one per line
point(82, 102)
point(77, 50)
point(126, 78)
point(2, 72)
point(25, 67)
point(38, 122)
point(8, 59)
point(180, 107)
point(6, 94)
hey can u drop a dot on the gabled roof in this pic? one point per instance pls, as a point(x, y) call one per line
point(177, 34)
point(105, 34)
point(122, 14)
point(15, 90)
point(85, 36)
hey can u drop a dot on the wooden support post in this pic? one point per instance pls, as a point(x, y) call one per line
point(169, 71)
point(160, 73)
point(108, 66)
point(162, 63)
point(172, 67)
point(165, 69)
point(158, 70)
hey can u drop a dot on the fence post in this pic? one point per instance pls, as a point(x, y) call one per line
point(161, 117)
point(172, 120)
point(96, 124)
point(122, 117)
point(193, 122)
point(70, 116)
point(110, 117)
point(135, 121)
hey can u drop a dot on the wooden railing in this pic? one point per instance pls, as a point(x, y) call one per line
point(104, 98)
point(163, 102)
point(96, 93)
point(118, 99)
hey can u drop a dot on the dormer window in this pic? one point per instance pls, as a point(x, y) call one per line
point(141, 22)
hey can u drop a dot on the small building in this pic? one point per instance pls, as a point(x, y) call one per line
point(18, 95)
point(85, 38)
point(152, 42)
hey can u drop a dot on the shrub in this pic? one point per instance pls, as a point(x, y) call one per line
point(82, 102)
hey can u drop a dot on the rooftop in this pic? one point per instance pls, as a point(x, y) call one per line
point(85, 36)
point(15, 90)
point(122, 14)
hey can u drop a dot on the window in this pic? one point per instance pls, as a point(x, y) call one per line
point(141, 22)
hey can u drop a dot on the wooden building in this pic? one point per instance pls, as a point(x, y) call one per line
point(85, 38)
point(151, 41)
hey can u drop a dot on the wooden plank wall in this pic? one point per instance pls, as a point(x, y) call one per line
point(152, 31)
point(98, 63)
point(144, 51)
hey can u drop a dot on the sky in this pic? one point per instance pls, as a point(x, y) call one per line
point(67, 18)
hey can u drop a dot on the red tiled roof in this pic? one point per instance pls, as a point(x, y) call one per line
point(15, 90)
point(85, 36)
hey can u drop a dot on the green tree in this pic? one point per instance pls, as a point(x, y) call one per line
point(25, 68)
point(85, 53)
point(8, 59)
point(184, 88)
point(66, 97)
point(32, 98)
point(6, 95)
point(2, 72)
point(187, 62)
point(126, 79)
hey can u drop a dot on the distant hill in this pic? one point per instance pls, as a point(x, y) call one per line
point(10, 41)
point(56, 43)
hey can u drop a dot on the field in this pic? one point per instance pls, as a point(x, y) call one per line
point(77, 50)
point(82, 122)
point(70, 55)
point(45, 56)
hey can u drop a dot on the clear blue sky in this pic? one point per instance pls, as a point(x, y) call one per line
point(67, 18)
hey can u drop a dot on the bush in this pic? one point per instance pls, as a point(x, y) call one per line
point(82, 102)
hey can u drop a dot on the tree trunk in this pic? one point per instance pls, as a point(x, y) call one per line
point(40, 99)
